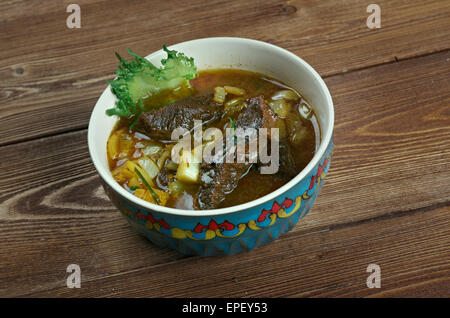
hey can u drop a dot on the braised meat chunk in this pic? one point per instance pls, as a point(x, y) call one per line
point(220, 179)
point(160, 123)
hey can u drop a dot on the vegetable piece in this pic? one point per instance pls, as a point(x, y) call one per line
point(126, 173)
point(163, 158)
point(305, 111)
point(297, 130)
point(280, 107)
point(121, 174)
point(234, 90)
point(285, 94)
point(133, 183)
point(219, 95)
point(153, 193)
point(171, 165)
point(233, 124)
point(298, 136)
point(119, 145)
point(235, 105)
point(113, 146)
point(137, 154)
point(132, 167)
point(176, 187)
point(149, 166)
point(188, 171)
point(151, 149)
point(146, 195)
point(125, 144)
point(234, 102)
point(139, 78)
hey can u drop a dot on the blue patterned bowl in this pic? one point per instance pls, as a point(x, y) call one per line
point(242, 227)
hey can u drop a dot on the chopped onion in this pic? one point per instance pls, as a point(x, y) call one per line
point(219, 95)
point(151, 149)
point(233, 102)
point(139, 145)
point(149, 166)
point(234, 90)
point(298, 135)
point(176, 187)
point(280, 107)
point(140, 136)
point(137, 154)
point(285, 94)
point(234, 105)
point(305, 111)
point(162, 159)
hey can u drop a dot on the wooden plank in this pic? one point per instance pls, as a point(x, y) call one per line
point(392, 138)
point(52, 74)
point(60, 215)
point(412, 250)
point(392, 154)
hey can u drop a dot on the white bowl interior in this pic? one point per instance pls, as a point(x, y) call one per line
point(212, 53)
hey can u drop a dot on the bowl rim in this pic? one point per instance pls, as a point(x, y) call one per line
point(326, 139)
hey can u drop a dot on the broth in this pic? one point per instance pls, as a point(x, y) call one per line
point(128, 148)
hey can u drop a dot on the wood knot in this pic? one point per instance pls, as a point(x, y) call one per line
point(19, 70)
point(289, 9)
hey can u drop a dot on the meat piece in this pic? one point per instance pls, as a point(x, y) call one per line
point(163, 178)
point(259, 115)
point(160, 123)
point(219, 179)
point(252, 115)
point(287, 163)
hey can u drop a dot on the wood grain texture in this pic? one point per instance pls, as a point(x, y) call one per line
point(317, 263)
point(386, 201)
point(52, 74)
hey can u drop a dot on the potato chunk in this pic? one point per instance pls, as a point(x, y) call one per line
point(188, 171)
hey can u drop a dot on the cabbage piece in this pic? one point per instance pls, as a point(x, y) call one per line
point(149, 166)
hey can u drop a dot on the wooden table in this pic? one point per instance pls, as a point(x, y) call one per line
point(386, 200)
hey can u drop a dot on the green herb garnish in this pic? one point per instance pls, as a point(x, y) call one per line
point(154, 195)
point(139, 78)
point(233, 126)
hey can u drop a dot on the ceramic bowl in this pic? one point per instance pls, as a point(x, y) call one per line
point(242, 227)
